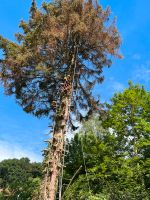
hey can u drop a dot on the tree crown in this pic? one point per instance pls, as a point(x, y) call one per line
point(65, 39)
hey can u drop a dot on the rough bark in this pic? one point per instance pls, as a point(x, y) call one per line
point(56, 153)
point(50, 184)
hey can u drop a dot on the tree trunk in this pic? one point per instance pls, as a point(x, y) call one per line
point(56, 153)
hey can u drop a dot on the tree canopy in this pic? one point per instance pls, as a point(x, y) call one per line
point(129, 117)
point(36, 66)
point(116, 150)
point(19, 179)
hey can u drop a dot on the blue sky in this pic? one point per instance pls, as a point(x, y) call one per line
point(22, 134)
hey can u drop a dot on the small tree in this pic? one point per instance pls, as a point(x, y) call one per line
point(54, 65)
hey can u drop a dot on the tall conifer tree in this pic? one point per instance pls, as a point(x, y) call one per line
point(54, 65)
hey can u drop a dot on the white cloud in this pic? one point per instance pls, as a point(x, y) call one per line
point(115, 86)
point(109, 87)
point(136, 57)
point(142, 73)
point(10, 151)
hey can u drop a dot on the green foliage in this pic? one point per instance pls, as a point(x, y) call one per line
point(98, 148)
point(129, 117)
point(116, 151)
point(19, 178)
point(1, 196)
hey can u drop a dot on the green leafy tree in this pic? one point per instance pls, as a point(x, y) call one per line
point(94, 150)
point(117, 164)
point(54, 65)
point(19, 178)
point(129, 119)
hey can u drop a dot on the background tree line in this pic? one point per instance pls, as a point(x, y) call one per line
point(109, 159)
point(19, 179)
